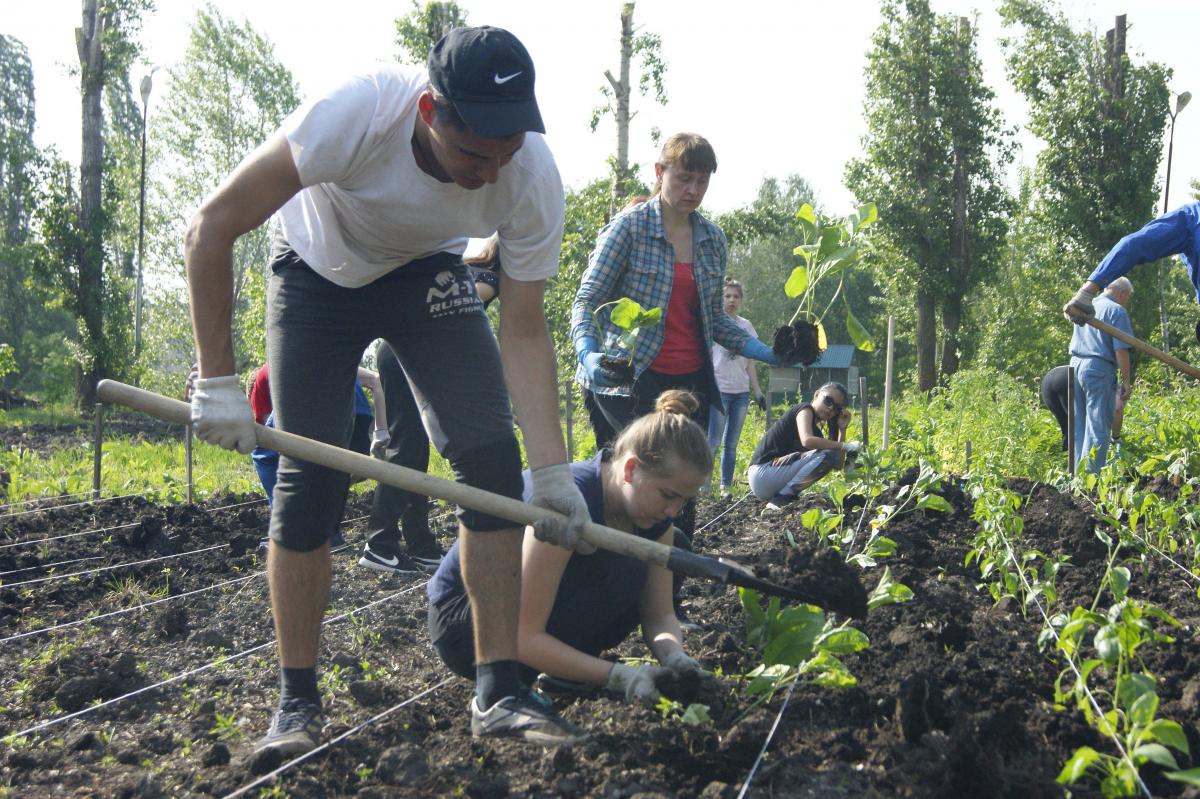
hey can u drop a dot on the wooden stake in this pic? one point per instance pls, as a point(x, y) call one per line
point(862, 398)
point(887, 382)
point(97, 445)
point(1071, 419)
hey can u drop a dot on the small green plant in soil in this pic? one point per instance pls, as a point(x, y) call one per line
point(632, 318)
point(829, 248)
point(692, 715)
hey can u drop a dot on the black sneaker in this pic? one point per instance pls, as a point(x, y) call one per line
point(685, 624)
point(427, 560)
point(337, 539)
point(547, 684)
point(396, 563)
point(295, 729)
point(525, 718)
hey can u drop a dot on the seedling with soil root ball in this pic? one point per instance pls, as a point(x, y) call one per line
point(630, 317)
point(829, 249)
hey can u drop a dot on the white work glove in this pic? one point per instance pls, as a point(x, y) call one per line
point(635, 683)
point(221, 413)
point(379, 442)
point(190, 385)
point(1080, 308)
point(851, 446)
point(680, 663)
point(554, 489)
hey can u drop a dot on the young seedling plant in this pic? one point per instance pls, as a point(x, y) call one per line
point(632, 318)
point(829, 248)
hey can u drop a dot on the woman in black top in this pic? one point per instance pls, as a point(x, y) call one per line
point(802, 446)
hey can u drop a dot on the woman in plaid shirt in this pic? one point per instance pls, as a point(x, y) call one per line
point(661, 253)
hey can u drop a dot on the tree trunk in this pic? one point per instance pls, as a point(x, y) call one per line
point(621, 92)
point(960, 239)
point(951, 322)
point(926, 340)
point(88, 41)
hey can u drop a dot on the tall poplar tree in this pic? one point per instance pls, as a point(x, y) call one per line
point(935, 150)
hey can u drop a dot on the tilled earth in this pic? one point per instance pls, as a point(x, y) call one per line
point(953, 697)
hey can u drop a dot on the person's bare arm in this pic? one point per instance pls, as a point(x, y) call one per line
point(808, 434)
point(257, 188)
point(371, 382)
point(530, 371)
point(660, 627)
point(1126, 374)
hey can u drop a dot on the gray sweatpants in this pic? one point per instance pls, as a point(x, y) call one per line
point(429, 313)
point(767, 480)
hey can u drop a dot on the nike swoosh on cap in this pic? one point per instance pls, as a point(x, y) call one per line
point(506, 78)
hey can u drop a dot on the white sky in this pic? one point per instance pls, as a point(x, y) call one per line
point(776, 86)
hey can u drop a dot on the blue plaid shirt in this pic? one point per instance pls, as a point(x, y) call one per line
point(634, 259)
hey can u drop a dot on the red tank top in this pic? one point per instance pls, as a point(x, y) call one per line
point(683, 349)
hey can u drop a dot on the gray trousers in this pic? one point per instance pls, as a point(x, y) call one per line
point(767, 480)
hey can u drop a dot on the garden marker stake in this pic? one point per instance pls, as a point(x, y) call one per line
point(672, 558)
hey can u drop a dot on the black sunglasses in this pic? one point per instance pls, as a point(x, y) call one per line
point(828, 402)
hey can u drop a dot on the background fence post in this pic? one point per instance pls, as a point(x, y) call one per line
point(887, 382)
point(1071, 419)
point(97, 445)
point(862, 397)
point(570, 421)
point(187, 458)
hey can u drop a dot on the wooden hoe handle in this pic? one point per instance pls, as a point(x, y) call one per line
point(294, 446)
point(1138, 344)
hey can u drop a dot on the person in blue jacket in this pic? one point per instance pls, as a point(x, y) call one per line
point(574, 606)
point(1175, 233)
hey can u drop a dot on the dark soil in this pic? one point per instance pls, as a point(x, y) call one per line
point(819, 572)
point(953, 697)
point(619, 370)
point(74, 431)
point(797, 343)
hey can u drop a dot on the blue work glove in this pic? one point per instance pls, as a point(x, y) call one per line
point(753, 348)
point(589, 357)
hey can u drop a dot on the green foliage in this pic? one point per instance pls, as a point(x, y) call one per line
point(421, 28)
point(934, 152)
point(8, 361)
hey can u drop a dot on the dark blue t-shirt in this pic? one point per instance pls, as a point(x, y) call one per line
point(447, 580)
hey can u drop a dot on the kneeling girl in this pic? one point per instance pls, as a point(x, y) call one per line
point(575, 606)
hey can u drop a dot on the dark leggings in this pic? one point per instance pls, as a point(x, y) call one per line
point(1054, 398)
point(409, 447)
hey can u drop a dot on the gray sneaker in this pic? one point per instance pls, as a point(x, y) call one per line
point(523, 717)
point(295, 729)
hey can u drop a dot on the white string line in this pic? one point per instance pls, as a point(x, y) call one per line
point(314, 752)
point(52, 565)
point(770, 735)
point(1133, 533)
point(1071, 662)
point(117, 527)
point(713, 520)
point(44, 630)
point(50, 499)
point(206, 667)
point(70, 505)
point(110, 568)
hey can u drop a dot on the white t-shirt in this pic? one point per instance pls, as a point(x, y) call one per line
point(367, 207)
point(729, 367)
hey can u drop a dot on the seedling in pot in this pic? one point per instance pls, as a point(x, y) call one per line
point(632, 318)
point(829, 249)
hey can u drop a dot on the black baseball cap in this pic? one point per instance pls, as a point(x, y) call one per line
point(488, 75)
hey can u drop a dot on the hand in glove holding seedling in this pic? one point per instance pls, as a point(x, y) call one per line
point(635, 683)
point(379, 442)
point(680, 663)
point(1080, 308)
point(554, 489)
point(221, 413)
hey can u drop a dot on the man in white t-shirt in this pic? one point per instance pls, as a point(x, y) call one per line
point(377, 187)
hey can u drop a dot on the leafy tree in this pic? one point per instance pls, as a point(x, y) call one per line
point(420, 29)
point(647, 49)
point(934, 150)
point(227, 95)
point(1102, 118)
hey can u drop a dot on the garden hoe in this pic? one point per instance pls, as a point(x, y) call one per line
point(294, 446)
point(1141, 346)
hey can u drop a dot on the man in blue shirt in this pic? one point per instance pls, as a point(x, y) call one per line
point(1176, 233)
point(1095, 357)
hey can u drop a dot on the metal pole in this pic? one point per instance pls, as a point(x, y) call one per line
point(1181, 100)
point(187, 453)
point(137, 302)
point(1071, 419)
point(570, 422)
point(862, 398)
point(97, 445)
point(887, 382)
